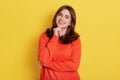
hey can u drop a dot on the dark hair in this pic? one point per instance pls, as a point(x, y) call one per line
point(70, 35)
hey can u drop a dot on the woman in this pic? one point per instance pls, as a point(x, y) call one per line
point(59, 48)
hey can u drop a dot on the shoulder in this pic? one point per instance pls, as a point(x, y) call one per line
point(77, 41)
point(43, 35)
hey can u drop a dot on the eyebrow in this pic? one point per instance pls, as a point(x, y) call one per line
point(62, 13)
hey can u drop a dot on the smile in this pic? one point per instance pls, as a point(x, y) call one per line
point(61, 23)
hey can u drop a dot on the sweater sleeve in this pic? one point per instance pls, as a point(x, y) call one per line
point(46, 48)
point(68, 65)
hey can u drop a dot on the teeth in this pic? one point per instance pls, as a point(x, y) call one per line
point(61, 22)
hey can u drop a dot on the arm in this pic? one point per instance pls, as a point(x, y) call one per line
point(68, 65)
point(46, 48)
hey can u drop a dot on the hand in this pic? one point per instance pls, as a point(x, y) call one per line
point(40, 64)
point(57, 31)
point(60, 31)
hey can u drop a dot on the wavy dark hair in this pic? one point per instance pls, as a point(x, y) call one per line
point(70, 35)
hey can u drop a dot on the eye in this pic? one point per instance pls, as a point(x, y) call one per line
point(59, 14)
point(67, 16)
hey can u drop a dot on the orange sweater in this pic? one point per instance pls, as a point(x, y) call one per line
point(60, 61)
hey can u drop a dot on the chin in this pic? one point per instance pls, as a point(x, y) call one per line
point(61, 26)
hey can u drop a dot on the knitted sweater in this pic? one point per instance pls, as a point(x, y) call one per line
point(59, 61)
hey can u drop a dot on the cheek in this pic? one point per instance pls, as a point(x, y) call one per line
point(68, 21)
point(57, 18)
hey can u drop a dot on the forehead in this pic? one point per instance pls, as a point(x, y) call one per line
point(65, 12)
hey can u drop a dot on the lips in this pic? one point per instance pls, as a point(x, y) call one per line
point(61, 23)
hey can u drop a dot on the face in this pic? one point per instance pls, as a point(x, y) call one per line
point(63, 18)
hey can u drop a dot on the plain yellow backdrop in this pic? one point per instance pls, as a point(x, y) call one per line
point(22, 22)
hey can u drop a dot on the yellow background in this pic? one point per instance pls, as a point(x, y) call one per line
point(22, 21)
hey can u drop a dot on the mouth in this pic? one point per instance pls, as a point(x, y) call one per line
point(61, 22)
